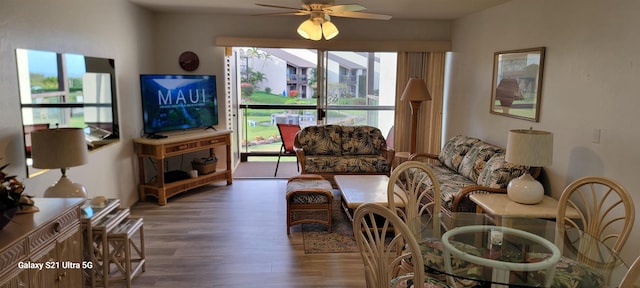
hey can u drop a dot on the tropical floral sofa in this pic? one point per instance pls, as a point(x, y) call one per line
point(329, 150)
point(468, 165)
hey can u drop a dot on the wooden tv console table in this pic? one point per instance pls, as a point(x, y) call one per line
point(177, 145)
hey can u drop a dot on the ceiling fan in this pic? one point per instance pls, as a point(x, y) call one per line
point(320, 12)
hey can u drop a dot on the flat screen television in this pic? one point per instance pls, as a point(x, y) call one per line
point(178, 102)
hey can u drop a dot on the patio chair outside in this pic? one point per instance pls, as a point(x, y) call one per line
point(287, 134)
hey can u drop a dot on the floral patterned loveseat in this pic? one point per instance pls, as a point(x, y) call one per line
point(468, 165)
point(329, 150)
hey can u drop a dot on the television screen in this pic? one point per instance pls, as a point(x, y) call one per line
point(178, 102)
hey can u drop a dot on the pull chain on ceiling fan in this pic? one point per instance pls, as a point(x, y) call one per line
point(319, 23)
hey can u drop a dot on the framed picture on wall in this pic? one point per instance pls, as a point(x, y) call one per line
point(517, 82)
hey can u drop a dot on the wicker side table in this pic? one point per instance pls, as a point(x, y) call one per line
point(125, 255)
point(308, 193)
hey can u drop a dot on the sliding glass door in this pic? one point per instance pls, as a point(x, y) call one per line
point(309, 87)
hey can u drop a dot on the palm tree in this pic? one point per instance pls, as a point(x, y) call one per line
point(256, 77)
point(254, 52)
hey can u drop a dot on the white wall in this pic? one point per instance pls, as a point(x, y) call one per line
point(111, 29)
point(591, 72)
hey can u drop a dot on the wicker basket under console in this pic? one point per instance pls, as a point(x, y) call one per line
point(205, 165)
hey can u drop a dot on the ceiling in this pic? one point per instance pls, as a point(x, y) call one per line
point(398, 9)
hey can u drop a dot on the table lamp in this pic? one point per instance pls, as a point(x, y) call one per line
point(529, 148)
point(60, 148)
point(415, 92)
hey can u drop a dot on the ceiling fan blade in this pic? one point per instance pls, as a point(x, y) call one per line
point(343, 8)
point(277, 6)
point(300, 12)
point(361, 15)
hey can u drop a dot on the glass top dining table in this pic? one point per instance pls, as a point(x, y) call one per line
point(583, 260)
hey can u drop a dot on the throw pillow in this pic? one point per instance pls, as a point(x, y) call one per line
point(454, 150)
point(497, 173)
point(474, 161)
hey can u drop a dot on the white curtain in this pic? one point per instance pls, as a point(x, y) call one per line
point(430, 67)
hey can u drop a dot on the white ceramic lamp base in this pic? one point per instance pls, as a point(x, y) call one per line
point(64, 188)
point(525, 190)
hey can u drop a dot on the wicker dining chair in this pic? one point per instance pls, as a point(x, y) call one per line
point(606, 212)
point(372, 223)
point(413, 183)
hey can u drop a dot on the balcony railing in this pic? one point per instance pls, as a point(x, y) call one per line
point(297, 79)
point(260, 135)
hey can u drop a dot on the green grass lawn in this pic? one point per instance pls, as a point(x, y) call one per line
point(260, 97)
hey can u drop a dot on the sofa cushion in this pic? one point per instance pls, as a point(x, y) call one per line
point(321, 140)
point(450, 184)
point(362, 140)
point(347, 164)
point(497, 172)
point(474, 161)
point(454, 150)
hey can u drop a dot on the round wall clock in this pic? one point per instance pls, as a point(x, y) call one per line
point(189, 61)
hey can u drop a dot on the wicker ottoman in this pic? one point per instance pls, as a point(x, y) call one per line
point(307, 194)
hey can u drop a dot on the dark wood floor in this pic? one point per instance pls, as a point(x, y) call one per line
point(235, 236)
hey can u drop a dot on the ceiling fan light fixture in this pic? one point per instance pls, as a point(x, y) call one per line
point(316, 32)
point(319, 22)
point(311, 29)
point(329, 30)
point(305, 29)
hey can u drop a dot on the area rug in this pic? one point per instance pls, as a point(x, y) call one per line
point(317, 240)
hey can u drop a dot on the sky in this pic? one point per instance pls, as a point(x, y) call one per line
point(44, 62)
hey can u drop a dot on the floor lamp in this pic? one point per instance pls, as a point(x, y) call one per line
point(60, 148)
point(415, 92)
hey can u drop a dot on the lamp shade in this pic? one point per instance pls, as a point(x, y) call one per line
point(530, 147)
point(58, 148)
point(329, 30)
point(416, 90)
point(310, 29)
point(305, 29)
